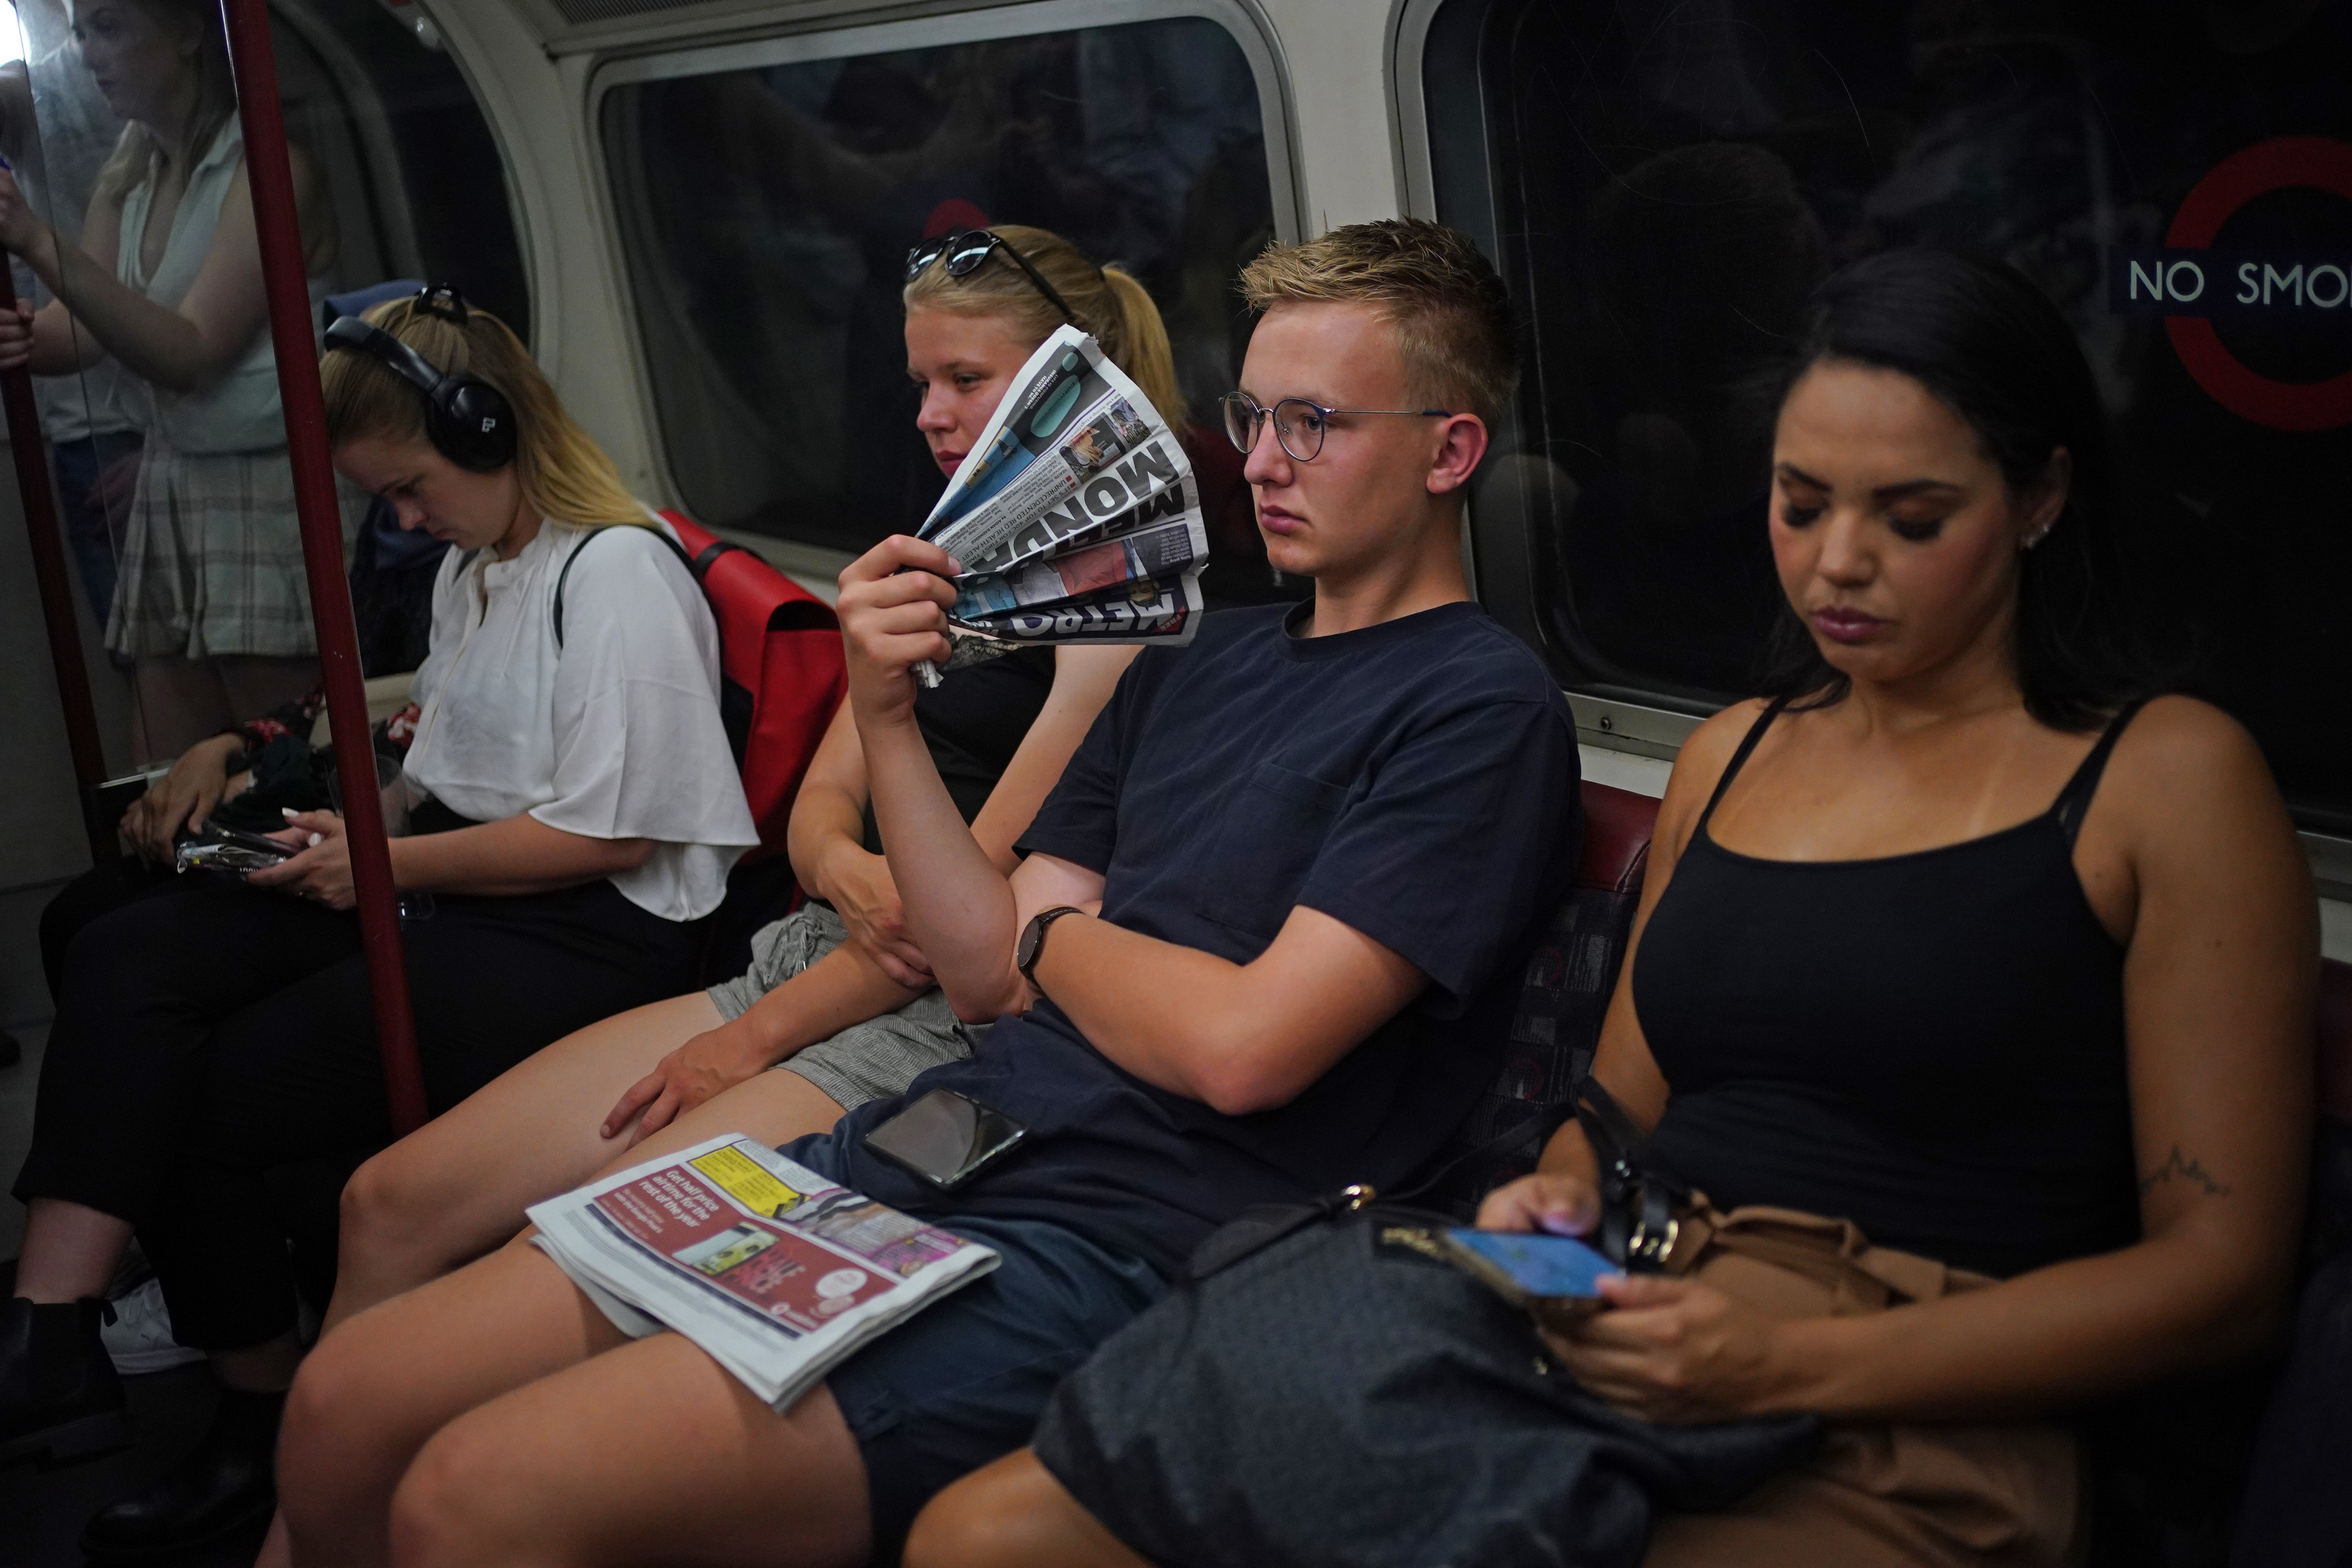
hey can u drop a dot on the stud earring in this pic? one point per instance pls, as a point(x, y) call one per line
point(2036, 537)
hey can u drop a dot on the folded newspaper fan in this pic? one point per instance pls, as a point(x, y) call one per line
point(1076, 516)
point(777, 1272)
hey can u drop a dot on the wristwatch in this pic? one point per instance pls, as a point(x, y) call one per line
point(1031, 946)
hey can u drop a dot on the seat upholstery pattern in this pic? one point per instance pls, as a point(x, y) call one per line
point(1570, 975)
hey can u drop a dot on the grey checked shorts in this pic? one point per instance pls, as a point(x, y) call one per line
point(873, 1060)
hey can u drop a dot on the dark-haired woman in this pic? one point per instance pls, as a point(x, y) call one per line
point(1952, 937)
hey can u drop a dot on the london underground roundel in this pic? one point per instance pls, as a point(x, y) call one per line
point(2192, 284)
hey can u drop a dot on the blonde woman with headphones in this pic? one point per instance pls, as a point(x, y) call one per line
point(577, 812)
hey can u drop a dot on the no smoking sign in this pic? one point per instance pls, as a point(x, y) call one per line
point(2190, 284)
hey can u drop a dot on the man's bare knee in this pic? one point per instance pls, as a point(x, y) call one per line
point(454, 1507)
point(329, 1453)
point(1011, 1514)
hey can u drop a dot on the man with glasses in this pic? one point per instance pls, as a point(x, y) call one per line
point(1272, 921)
point(1265, 943)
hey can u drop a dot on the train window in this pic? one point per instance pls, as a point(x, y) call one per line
point(420, 185)
point(397, 178)
point(1662, 183)
point(766, 206)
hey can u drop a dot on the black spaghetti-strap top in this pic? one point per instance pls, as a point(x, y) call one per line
point(1930, 1045)
point(973, 721)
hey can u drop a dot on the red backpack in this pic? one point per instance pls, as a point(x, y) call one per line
point(781, 676)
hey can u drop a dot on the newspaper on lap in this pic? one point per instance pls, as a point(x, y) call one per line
point(780, 1274)
point(1076, 516)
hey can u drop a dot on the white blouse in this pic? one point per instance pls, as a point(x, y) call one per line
point(615, 735)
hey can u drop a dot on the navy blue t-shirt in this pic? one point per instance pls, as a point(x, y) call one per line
point(1415, 780)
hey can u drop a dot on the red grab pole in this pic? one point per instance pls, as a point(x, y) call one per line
point(271, 176)
point(56, 591)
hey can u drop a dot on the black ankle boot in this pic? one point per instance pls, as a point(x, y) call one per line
point(225, 1484)
point(60, 1398)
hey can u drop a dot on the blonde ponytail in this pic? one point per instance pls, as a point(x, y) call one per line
point(1143, 350)
point(1108, 300)
point(566, 476)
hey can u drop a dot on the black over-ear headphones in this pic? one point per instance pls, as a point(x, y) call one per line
point(469, 421)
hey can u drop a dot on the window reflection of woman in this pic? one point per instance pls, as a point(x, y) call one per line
point(56, 132)
point(212, 604)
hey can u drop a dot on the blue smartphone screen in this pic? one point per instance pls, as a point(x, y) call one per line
point(1539, 1265)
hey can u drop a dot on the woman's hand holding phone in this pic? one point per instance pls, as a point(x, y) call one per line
point(1556, 1203)
point(321, 869)
point(183, 800)
point(1668, 1350)
point(1678, 1351)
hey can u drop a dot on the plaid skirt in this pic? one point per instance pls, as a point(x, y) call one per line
point(212, 557)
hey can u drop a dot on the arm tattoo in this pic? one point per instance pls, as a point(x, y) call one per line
point(2188, 1170)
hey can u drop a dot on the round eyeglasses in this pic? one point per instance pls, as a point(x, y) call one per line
point(1299, 424)
point(961, 252)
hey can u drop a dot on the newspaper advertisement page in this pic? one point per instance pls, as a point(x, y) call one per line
point(1077, 495)
point(776, 1271)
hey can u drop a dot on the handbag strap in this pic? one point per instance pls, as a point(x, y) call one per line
point(1262, 1224)
point(1638, 1200)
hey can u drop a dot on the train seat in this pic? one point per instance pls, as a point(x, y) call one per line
point(2296, 1510)
point(1570, 978)
point(2336, 1041)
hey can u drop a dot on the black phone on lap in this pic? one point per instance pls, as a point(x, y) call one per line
point(946, 1138)
point(259, 844)
point(230, 849)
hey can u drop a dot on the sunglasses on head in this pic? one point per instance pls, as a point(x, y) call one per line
point(961, 253)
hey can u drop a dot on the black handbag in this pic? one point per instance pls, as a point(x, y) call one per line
point(1321, 1389)
point(1638, 1202)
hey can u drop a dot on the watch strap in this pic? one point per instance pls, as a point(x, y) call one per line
point(1032, 940)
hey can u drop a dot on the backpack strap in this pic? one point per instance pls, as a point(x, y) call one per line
point(1638, 1200)
point(696, 565)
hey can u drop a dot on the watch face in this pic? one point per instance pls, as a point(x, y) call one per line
point(1025, 954)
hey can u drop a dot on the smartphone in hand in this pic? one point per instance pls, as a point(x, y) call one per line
point(1558, 1277)
point(233, 849)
